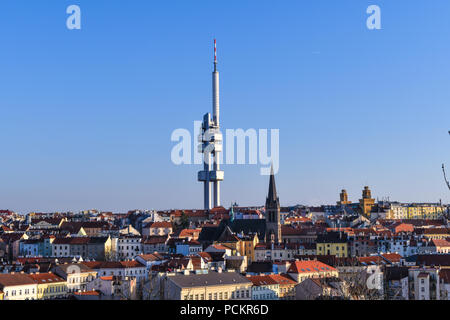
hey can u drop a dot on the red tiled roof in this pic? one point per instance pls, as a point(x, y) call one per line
point(15, 279)
point(262, 280)
point(131, 264)
point(309, 266)
point(393, 257)
point(282, 279)
point(189, 232)
point(160, 224)
point(440, 243)
point(154, 239)
point(113, 264)
point(43, 278)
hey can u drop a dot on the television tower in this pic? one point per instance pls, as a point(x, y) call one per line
point(211, 146)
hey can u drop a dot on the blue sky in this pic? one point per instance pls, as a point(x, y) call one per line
point(87, 114)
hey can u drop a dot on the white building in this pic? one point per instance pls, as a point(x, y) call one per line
point(18, 286)
point(119, 269)
point(424, 283)
point(264, 288)
point(129, 247)
point(77, 276)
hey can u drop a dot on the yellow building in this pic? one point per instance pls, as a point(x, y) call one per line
point(429, 211)
point(209, 286)
point(416, 211)
point(332, 243)
point(49, 286)
point(1, 295)
point(286, 286)
point(436, 233)
point(244, 245)
point(397, 211)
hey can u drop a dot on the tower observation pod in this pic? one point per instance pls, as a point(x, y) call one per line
point(211, 146)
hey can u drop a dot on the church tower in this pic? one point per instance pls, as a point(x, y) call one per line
point(367, 202)
point(344, 198)
point(273, 226)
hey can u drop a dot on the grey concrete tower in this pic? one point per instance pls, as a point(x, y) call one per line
point(273, 225)
point(211, 147)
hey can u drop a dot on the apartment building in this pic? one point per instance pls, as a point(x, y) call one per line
point(77, 276)
point(18, 286)
point(301, 270)
point(129, 246)
point(209, 286)
point(49, 286)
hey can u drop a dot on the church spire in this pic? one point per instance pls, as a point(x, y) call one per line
point(272, 212)
point(272, 196)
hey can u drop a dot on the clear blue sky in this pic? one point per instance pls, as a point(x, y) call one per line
point(86, 116)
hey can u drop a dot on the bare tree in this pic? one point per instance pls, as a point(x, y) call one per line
point(355, 280)
point(445, 177)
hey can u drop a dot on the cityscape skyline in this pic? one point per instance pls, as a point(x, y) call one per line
point(314, 168)
point(87, 122)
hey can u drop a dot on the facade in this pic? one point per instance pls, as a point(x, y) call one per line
point(321, 288)
point(154, 244)
point(429, 211)
point(188, 248)
point(119, 269)
point(114, 287)
point(29, 248)
point(264, 288)
point(61, 247)
point(424, 283)
point(333, 243)
point(49, 286)
point(246, 246)
point(85, 247)
point(270, 252)
point(162, 228)
point(302, 270)
point(128, 247)
point(209, 286)
point(77, 276)
point(442, 246)
point(18, 286)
